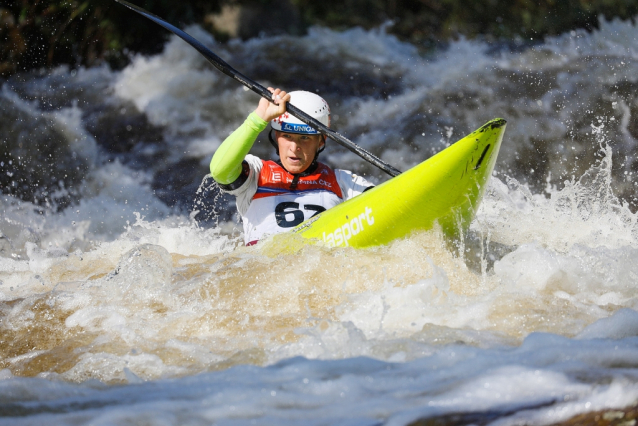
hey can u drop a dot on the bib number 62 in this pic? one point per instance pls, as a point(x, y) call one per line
point(291, 210)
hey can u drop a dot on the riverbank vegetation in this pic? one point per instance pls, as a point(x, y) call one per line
point(36, 33)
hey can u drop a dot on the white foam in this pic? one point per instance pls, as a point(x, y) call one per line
point(623, 323)
point(121, 289)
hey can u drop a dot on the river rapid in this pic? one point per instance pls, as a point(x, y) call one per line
point(126, 296)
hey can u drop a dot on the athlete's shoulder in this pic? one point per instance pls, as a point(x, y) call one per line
point(351, 184)
point(345, 174)
point(254, 162)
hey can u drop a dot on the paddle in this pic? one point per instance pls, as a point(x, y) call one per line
point(221, 65)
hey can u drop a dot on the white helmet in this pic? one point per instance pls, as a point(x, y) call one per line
point(313, 105)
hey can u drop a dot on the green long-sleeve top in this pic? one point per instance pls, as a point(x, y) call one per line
point(225, 167)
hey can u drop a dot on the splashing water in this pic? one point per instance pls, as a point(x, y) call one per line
point(126, 296)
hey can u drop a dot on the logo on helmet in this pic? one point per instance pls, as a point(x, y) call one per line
point(298, 128)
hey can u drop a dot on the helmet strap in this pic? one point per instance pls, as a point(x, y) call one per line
point(323, 147)
point(272, 140)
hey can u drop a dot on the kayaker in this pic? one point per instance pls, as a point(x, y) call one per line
point(275, 196)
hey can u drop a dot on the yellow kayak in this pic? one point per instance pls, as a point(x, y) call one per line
point(447, 188)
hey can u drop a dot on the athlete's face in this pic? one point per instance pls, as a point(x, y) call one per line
point(297, 151)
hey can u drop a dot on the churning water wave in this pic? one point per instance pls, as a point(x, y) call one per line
point(126, 296)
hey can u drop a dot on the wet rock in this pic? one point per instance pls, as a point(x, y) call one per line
point(186, 185)
point(177, 182)
point(618, 417)
point(122, 129)
point(38, 162)
point(624, 417)
point(255, 19)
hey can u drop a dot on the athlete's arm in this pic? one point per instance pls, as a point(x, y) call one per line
point(226, 165)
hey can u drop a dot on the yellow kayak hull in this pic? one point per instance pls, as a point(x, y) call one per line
point(445, 189)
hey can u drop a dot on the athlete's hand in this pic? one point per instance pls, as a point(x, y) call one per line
point(268, 110)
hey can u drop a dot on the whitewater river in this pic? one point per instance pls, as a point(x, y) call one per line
point(127, 298)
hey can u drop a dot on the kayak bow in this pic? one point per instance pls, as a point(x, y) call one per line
point(445, 189)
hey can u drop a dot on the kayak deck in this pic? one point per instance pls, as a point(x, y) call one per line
point(445, 189)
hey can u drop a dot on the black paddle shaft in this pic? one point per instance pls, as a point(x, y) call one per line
point(221, 65)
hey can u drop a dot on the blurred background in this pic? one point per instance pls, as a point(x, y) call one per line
point(37, 33)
